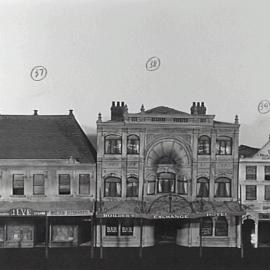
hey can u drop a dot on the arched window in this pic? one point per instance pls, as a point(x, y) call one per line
point(221, 228)
point(113, 144)
point(222, 187)
point(112, 187)
point(166, 182)
point(207, 226)
point(132, 187)
point(204, 145)
point(224, 146)
point(133, 144)
point(182, 185)
point(151, 185)
point(203, 187)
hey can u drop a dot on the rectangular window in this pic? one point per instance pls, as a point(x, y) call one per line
point(180, 120)
point(266, 172)
point(151, 186)
point(18, 184)
point(65, 233)
point(251, 172)
point(182, 185)
point(158, 119)
point(224, 146)
point(19, 233)
point(112, 227)
point(251, 192)
point(84, 184)
point(127, 227)
point(64, 184)
point(267, 193)
point(38, 184)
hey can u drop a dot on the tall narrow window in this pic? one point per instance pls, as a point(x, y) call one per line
point(38, 184)
point(266, 172)
point(221, 227)
point(222, 187)
point(84, 184)
point(224, 146)
point(251, 172)
point(113, 144)
point(112, 187)
point(251, 192)
point(182, 185)
point(151, 185)
point(166, 182)
point(267, 193)
point(133, 144)
point(204, 145)
point(64, 184)
point(203, 187)
point(132, 187)
point(207, 226)
point(18, 184)
point(127, 227)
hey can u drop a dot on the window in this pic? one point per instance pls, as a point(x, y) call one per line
point(84, 184)
point(182, 185)
point(204, 145)
point(64, 184)
point(166, 182)
point(127, 227)
point(203, 187)
point(151, 185)
point(19, 233)
point(132, 187)
point(180, 120)
point(1, 234)
point(38, 184)
point(133, 144)
point(113, 144)
point(221, 227)
point(112, 227)
point(251, 172)
point(224, 146)
point(18, 184)
point(158, 119)
point(112, 187)
point(266, 172)
point(65, 233)
point(267, 193)
point(222, 187)
point(251, 192)
point(207, 226)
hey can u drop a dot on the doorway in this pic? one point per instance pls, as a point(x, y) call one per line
point(165, 231)
point(248, 233)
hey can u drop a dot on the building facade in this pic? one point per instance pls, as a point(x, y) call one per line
point(47, 182)
point(254, 179)
point(165, 175)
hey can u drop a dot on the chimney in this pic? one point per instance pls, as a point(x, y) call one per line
point(142, 108)
point(117, 112)
point(236, 120)
point(71, 112)
point(35, 112)
point(99, 117)
point(199, 108)
point(203, 108)
point(192, 107)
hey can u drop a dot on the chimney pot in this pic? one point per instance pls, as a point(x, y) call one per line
point(113, 103)
point(122, 104)
point(118, 104)
point(35, 112)
point(70, 112)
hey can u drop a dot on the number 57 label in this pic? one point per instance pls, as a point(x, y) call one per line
point(38, 73)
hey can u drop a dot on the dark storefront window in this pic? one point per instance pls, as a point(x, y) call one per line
point(224, 146)
point(267, 193)
point(182, 185)
point(251, 172)
point(266, 172)
point(204, 145)
point(2, 234)
point(251, 192)
point(18, 184)
point(222, 187)
point(65, 233)
point(132, 187)
point(19, 233)
point(203, 187)
point(38, 184)
point(113, 144)
point(64, 184)
point(112, 187)
point(127, 227)
point(207, 226)
point(84, 184)
point(166, 182)
point(221, 227)
point(112, 227)
point(133, 144)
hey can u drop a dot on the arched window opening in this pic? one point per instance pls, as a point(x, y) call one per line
point(182, 185)
point(132, 187)
point(222, 187)
point(203, 187)
point(112, 187)
point(166, 182)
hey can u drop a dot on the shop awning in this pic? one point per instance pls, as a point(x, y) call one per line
point(52, 208)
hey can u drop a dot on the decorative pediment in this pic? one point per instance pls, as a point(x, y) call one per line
point(264, 152)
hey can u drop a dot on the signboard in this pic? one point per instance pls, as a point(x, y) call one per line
point(69, 213)
point(23, 212)
point(170, 216)
point(264, 215)
point(117, 216)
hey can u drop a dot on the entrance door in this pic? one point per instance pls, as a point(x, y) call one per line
point(165, 231)
point(264, 233)
point(248, 231)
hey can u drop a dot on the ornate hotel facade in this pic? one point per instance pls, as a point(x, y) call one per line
point(165, 175)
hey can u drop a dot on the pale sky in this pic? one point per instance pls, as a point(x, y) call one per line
point(95, 53)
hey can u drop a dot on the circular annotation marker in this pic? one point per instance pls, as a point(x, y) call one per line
point(38, 73)
point(264, 106)
point(153, 63)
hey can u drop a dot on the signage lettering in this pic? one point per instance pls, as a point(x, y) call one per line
point(21, 212)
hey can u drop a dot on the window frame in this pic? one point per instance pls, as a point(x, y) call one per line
point(131, 225)
point(228, 142)
point(129, 181)
point(110, 180)
point(159, 184)
point(253, 175)
point(80, 185)
point(181, 180)
point(202, 180)
point(266, 187)
point(202, 141)
point(35, 185)
point(136, 138)
point(112, 222)
point(61, 185)
point(249, 198)
point(216, 227)
point(266, 174)
point(18, 188)
point(204, 219)
point(111, 149)
point(225, 180)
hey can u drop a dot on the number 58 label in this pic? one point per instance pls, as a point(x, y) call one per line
point(38, 73)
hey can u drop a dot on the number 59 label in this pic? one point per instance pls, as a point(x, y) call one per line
point(38, 73)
